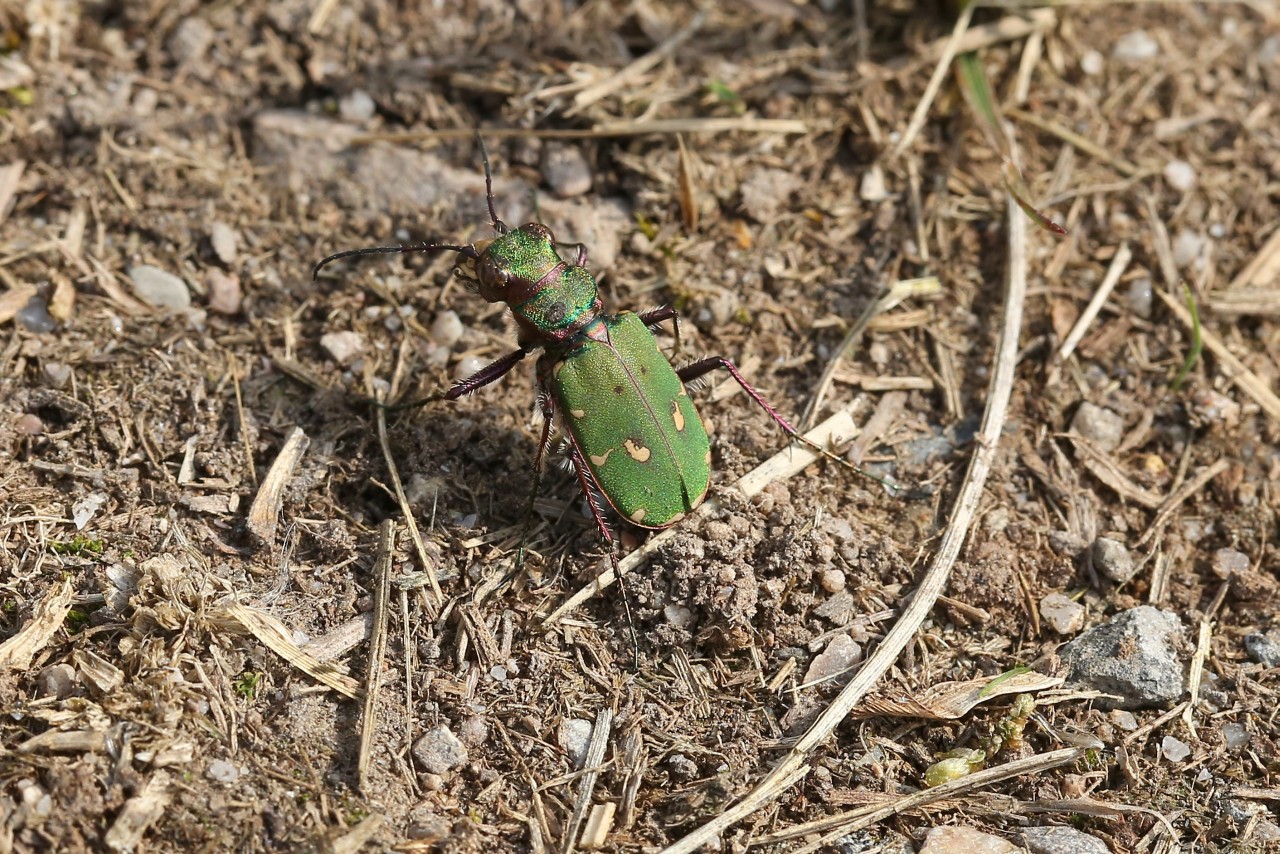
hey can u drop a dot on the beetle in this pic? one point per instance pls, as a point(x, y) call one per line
point(635, 438)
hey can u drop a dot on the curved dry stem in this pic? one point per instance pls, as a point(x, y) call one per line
point(935, 579)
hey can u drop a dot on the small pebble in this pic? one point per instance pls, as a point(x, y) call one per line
point(1092, 63)
point(1136, 46)
point(145, 101)
point(1270, 51)
point(447, 329)
point(841, 653)
point(1174, 749)
point(1263, 649)
point(1063, 614)
point(190, 39)
point(29, 425)
point(1140, 296)
point(344, 346)
point(682, 767)
point(1113, 560)
point(475, 731)
point(498, 673)
point(159, 288)
point(574, 736)
point(439, 751)
point(57, 374)
point(224, 291)
point(678, 616)
point(1214, 407)
point(86, 508)
point(35, 798)
point(1235, 736)
point(35, 316)
point(222, 771)
point(965, 840)
point(467, 366)
point(356, 106)
point(1123, 719)
point(1228, 562)
point(1104, 427)
point(224, 241)
point(872, 186)
point(832, 580)
point(1180, 174)
point(1187, 246)
point(1059, 839)
point(58, 681)
point(566, 170)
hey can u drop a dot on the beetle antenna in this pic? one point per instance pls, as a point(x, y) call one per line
point(498, 225)
point(467, 251)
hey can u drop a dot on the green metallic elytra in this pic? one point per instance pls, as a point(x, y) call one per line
point(632, 421)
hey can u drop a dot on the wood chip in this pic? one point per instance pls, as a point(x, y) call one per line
point(139, 813)
point(264, 514)
point(275, 636)
point(18, 651)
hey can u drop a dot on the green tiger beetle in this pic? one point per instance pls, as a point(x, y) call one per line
point(635, 437)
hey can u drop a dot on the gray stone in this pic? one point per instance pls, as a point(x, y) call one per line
point(1134, 655)
point(343, 346)
point(1180, 175)
point(1263, 648)
point(58, 681)
point(835, 661)
point(574, 735)
point(224, 241)
point(447, 329)
point(159, 288)
point(1101, 426)
point(1174, 749)
point(1113, 560)
point(356, 106)
point(566, 170)
point(1062, 840)
point(1063, 614)
point(439, 751)
point(35, 316)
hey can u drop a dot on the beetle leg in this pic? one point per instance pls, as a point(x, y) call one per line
point(591, 489)
point(705, 366)
point(657, 315)
point(490, 373)
point(548, 408)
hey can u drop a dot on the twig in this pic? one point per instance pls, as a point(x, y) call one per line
point(935, 82)
point(790, 461)
point(1118, 265)
point(591, 772)
point(853, 820)
point(1249, 382)
point(1075, 140)
point(428, 566)
point(264, 513)
point(1188, 489)
point(611, 84)
point(712, 124)
point(793, 766)
point(377, 649)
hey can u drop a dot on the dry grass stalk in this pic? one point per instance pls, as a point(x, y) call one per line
point(1119, 263)
point(1180, 495)
point(637, 68)
point(1235, 370)
point(591, 772)
point(10, 175)
point(428, 566)
point(1263, 270)
point(793, 766)
point(833, 827)
point(276, 637)
point(377, 648)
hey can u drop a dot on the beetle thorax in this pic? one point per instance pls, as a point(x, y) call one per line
point(550, 299)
